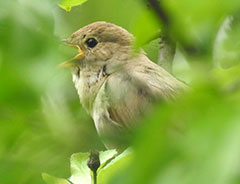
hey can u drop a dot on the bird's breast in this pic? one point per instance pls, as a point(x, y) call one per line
point(88, 83)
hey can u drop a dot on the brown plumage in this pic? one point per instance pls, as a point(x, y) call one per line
point(116, 85)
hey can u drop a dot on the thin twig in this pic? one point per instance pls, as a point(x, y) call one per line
point(94, 177)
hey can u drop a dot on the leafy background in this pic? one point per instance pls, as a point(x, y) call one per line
point(194, 140)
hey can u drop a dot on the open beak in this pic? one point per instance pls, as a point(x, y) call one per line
point(73, 62)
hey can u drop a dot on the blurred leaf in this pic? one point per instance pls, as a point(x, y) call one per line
point(226, 50)
point(196, 23)
point(227, 76)
point(68, 4)
point(146, 27)
point(152, 49)
point(79, 169)
point(40, 113)
point(53, 180)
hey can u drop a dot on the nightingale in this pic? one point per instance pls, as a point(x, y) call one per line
point(116, 84)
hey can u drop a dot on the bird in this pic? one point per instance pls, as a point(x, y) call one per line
point(116, 84)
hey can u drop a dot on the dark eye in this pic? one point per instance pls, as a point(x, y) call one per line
point(91, 42)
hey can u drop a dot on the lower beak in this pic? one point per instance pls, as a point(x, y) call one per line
point(74, 61)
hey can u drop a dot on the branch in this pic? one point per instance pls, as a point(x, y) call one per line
point(167, 45)
point(167, 51)
point(190, 49)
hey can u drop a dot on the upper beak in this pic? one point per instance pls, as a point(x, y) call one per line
point(72, 62)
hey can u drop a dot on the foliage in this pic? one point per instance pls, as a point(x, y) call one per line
point(68, 4)
point(194, 140)
point(80, 173)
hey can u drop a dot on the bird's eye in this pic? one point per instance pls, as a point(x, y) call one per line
point(91, 42)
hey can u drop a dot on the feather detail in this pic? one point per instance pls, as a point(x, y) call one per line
point(128, 92)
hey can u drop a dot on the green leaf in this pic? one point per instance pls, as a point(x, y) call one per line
point(105, 156)
point(53, 180)
point(81, 174)
point(152, 49)
point(79, 169)
point(68, 4)
point(115, 166)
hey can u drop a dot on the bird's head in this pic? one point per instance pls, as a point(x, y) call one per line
point(99, 42)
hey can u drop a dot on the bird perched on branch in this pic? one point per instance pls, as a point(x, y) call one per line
point(115, 84)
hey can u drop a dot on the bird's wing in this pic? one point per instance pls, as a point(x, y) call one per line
point(155, 80)
point(129, 92)
point(117, 105)
point(126, 99)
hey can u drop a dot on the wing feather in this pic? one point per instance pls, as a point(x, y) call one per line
point(127, 93)
point(130, 92)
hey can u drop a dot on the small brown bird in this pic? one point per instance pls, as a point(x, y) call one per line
point(115, 84)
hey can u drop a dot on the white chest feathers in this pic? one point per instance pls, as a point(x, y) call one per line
point(88, 83)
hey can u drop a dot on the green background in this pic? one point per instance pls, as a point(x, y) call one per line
point(195, 140)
